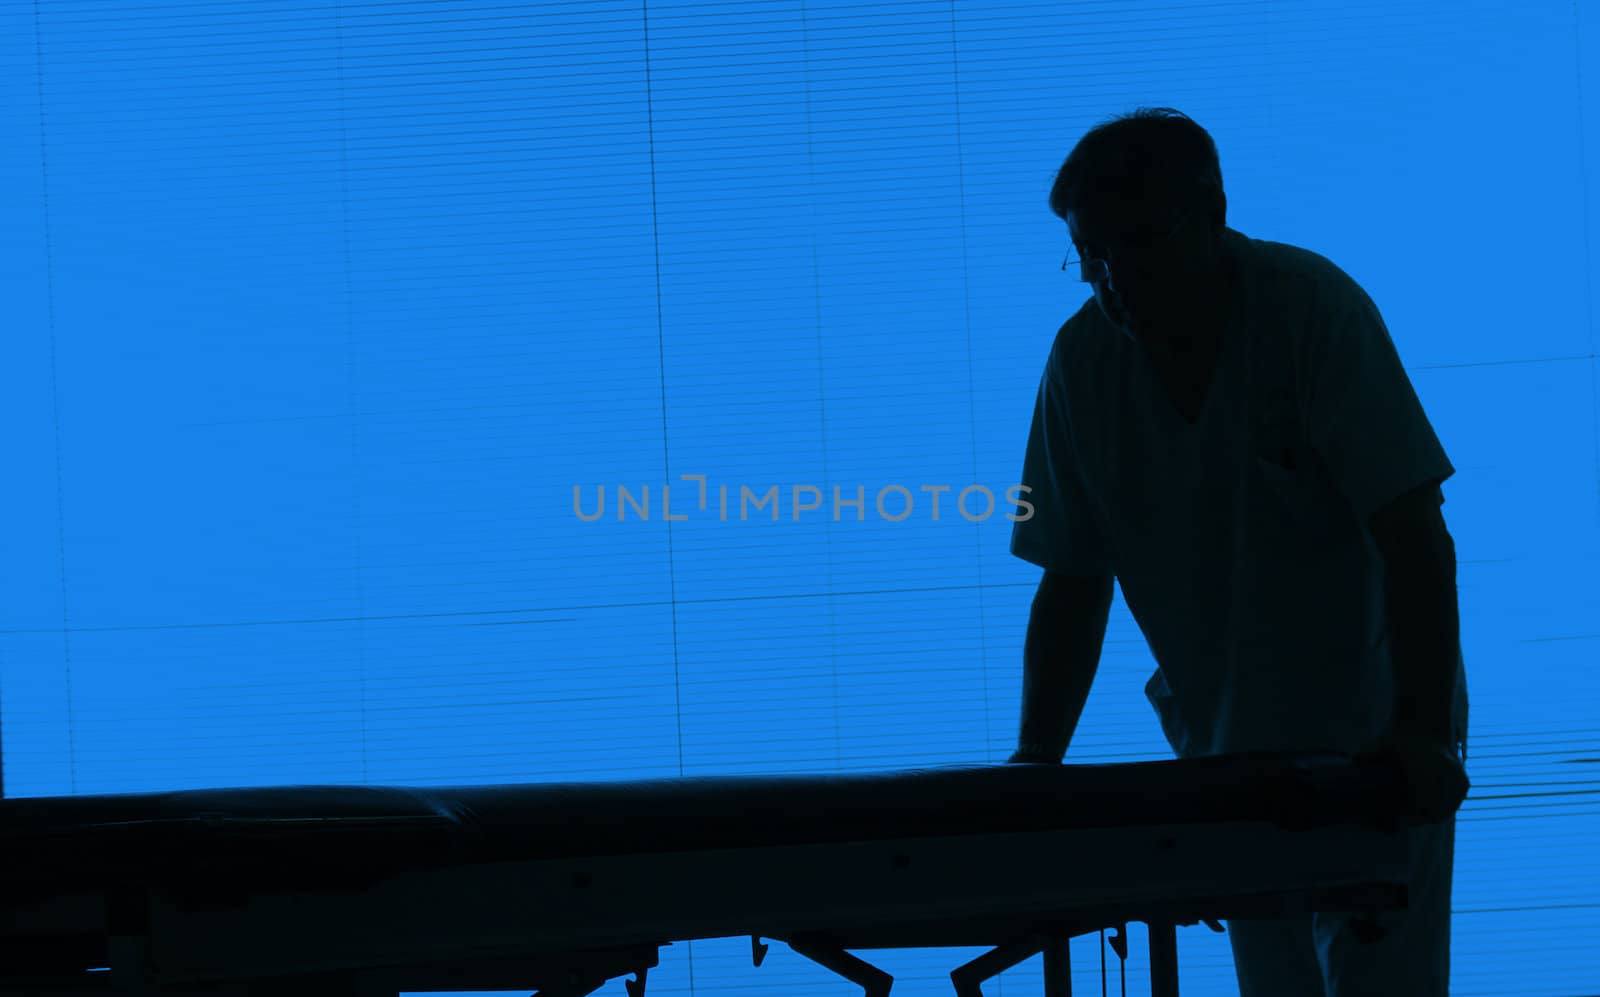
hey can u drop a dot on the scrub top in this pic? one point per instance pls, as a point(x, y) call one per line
point(1240, 540)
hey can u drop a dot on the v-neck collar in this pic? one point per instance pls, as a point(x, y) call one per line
point(1182, 382)
point(1210, 373)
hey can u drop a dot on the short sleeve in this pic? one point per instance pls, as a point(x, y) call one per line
point(1060, 533)
point(1363, 416)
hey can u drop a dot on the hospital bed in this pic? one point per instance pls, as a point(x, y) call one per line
point(559, 888)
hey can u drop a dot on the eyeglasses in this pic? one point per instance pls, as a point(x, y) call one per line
point(1093, 271)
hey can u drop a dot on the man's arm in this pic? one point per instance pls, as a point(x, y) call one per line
point(1060, 655)
point(1424, 620)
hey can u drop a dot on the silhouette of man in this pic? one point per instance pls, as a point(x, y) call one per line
point(1227, 430)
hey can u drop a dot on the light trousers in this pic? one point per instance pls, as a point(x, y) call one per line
point(1320, 955)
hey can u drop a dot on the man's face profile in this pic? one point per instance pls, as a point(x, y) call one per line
point(1157, 283)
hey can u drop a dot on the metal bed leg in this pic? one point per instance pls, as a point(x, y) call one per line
point(969, 977)
point(873, 981)
point(1163, 959)
point(1058, 968)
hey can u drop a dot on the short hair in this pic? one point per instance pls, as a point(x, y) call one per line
point(1155, 153)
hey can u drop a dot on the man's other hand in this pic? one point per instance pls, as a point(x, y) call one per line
point(1436, 782)
point(1023, 757)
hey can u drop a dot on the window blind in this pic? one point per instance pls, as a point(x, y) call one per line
point(331, 324)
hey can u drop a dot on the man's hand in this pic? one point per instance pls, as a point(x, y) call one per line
point(1022, 756)
point(1436, 782)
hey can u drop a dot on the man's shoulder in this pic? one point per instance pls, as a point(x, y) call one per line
point(1299, 274)
point(1081, 334)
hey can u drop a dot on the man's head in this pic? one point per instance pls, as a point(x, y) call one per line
point(1143, 192)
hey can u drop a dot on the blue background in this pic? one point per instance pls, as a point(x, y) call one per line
point(316, 315)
